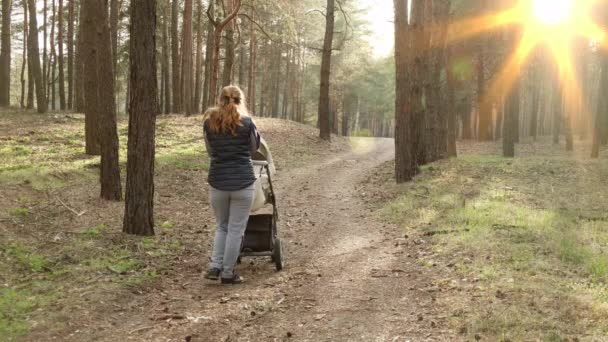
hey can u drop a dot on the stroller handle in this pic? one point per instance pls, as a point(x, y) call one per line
point(259, 162)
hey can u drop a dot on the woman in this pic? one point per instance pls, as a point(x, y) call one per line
point(231, 139)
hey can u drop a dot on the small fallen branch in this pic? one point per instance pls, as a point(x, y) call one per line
point(140, 329)
point(70, 209)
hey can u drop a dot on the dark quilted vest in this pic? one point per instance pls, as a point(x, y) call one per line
point(231, 168)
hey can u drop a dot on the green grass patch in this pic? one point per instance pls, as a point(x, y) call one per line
point(26, 257)
point(15, 307)
point(517, 224)
point(19, 212)
point(95, 232)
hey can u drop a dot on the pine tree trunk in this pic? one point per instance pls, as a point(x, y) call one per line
point(71, 20)
point(114, 11)
point(199, 57)
point(5, 54)
point(557, 111)
point(110, 171)
point(44, 45)
point(451, 108)
point(165, 53)
point(79, 66)
point(187, 58)
point(52, 58)
point(228, 72)
point(25, 59)
point(242, 65)
point(418, 71)
point(251, 79)
point(61, 80)
point(510, 124)
point(601, 113)
point(175, 60)
point(139, 196)
point(208, 55)
point(34, 57)
point(324, 124)
point(91, 80)
point(405, 162)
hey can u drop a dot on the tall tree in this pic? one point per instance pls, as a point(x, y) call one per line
point(175, 61)
point(601, 113)
point(252, 63)
point(139, 197)
point(34, 57)
point(208, 54)
point(110, 170)
point(199, 56)
point(90, 76)
point(25, 60)
point(44, 44)
point(61, 79)
point(187, 57)
point(217, 37)
point(405, 162)
point(5, 54)
point(79, 58)
point(52, 59)
point(324, 111)
point(114, 11)
point(165, 61)
point(71, 19)
point(228, 73)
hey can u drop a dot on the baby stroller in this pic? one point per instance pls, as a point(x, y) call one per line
point(261, 234)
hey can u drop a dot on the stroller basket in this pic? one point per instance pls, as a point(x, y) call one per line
point(258, 237)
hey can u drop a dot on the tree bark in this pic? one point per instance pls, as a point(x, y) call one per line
point(34, 57)
point(451, 108)
point(175, 61)
point(187, 58)
point(251, 81)
point(406, 166)
point(165, 55)
point(324, 113)
point(53, 58)
point(199, 57)
point(418, 75)
point(71, 20)
point(44, 45)
point(229, 55)
point(91, 80)
point(79, 66)
point(557, 111)
point(601, 113)
point(110, 171)
point(139, 196)
point(208, 54)
point(61, 79)
point(114, 11)
point(25, 59)
point(5, 54)
point(509, 126)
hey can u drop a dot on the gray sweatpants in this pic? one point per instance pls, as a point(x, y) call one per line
point(231, 213)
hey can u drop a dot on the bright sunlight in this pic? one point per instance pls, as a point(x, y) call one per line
point(552, 12)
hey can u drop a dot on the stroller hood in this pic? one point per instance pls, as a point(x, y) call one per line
point(264, 154)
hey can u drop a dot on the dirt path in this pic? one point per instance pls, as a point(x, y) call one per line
point(348, 277)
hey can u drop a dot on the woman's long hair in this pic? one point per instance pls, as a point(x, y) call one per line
point(226, 116)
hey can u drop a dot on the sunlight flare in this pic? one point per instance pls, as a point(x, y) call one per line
point(552, 12)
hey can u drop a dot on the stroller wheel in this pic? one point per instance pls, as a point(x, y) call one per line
point(277, 255)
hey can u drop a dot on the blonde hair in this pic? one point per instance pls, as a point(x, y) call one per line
point(226, 115)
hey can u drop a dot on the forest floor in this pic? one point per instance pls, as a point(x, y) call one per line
point(476, 248)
